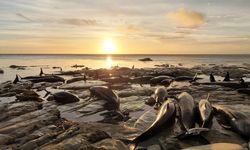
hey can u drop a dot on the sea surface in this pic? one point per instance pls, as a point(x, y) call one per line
point(35, 62)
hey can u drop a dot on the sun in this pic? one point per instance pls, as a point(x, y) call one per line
point(109, 46)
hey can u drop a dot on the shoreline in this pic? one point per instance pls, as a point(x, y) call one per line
point(91, 120)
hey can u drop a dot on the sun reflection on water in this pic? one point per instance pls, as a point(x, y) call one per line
point(109, 62)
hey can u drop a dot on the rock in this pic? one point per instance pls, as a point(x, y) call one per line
point(136, 91)
point(97, 136)
point(154, 147)
point(217, 146)
point(244, 90)
point(20, 108)
point(8, 94)
point(5, 139)
point(9, 87)
point(73, 73)
point(171, 144)
point(83, 85)
point(81, 78)
point(145, 59)
point(142, 79)
point(159, 79)
point(18, 67)
point(81, 93)
point(77, 66)
point(3, 109)
point(75, 142)
point(19, 129)
point(111, 144)
point(43, 85)
point(28, 96)
point(114, 80)
point(230, 84)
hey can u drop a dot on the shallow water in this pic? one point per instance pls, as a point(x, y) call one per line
point(35, 62)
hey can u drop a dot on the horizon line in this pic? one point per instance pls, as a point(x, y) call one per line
point(117, 54)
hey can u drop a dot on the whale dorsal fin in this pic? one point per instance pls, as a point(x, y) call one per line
point(208, 96)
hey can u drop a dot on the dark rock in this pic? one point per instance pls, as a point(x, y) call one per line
point(8, 94)
point(77, 66)
point(142, 79)
point(146, 59)
point(97, 136)
point(18, 67)
point(114, 80)
point(244, 91)
point(81, 78)
point(159, 79)
point(28, 96)
point(111, 144)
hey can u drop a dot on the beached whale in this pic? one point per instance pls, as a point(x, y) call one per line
point(107, 94)
point(62, 97)
point(165, 118)
point(160, 95)
point(206, 112)
point(37, 79)
point(187, 110)
point(234, 120)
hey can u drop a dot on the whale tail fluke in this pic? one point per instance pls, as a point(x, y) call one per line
point(41, 72)
point(47, 93)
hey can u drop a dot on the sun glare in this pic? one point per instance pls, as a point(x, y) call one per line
point(109, 47)
point(109, 62)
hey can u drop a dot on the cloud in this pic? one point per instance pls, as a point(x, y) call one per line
point(79, 22)
point(24, 17)
point(128, 29)
point(187, 18)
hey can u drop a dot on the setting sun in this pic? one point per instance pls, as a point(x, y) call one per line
point(109, 46)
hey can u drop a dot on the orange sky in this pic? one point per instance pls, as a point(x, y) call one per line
point(156, 27)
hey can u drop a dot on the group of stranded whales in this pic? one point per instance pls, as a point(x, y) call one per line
point(170, 109)
point(188, 114)
point(41, 78)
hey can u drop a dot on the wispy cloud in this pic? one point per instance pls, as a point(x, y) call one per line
point(187, 18)
point(129, 29)
point(24, 17)
point(79, 22)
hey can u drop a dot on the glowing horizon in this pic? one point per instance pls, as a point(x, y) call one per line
point(156, 27)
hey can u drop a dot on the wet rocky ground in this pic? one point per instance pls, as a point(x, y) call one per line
point(30, 121)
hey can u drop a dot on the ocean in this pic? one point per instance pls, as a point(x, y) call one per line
point(47, 61)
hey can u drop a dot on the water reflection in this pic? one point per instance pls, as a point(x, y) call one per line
point(109, 62)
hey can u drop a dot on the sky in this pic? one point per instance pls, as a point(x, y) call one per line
point(133, 26)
